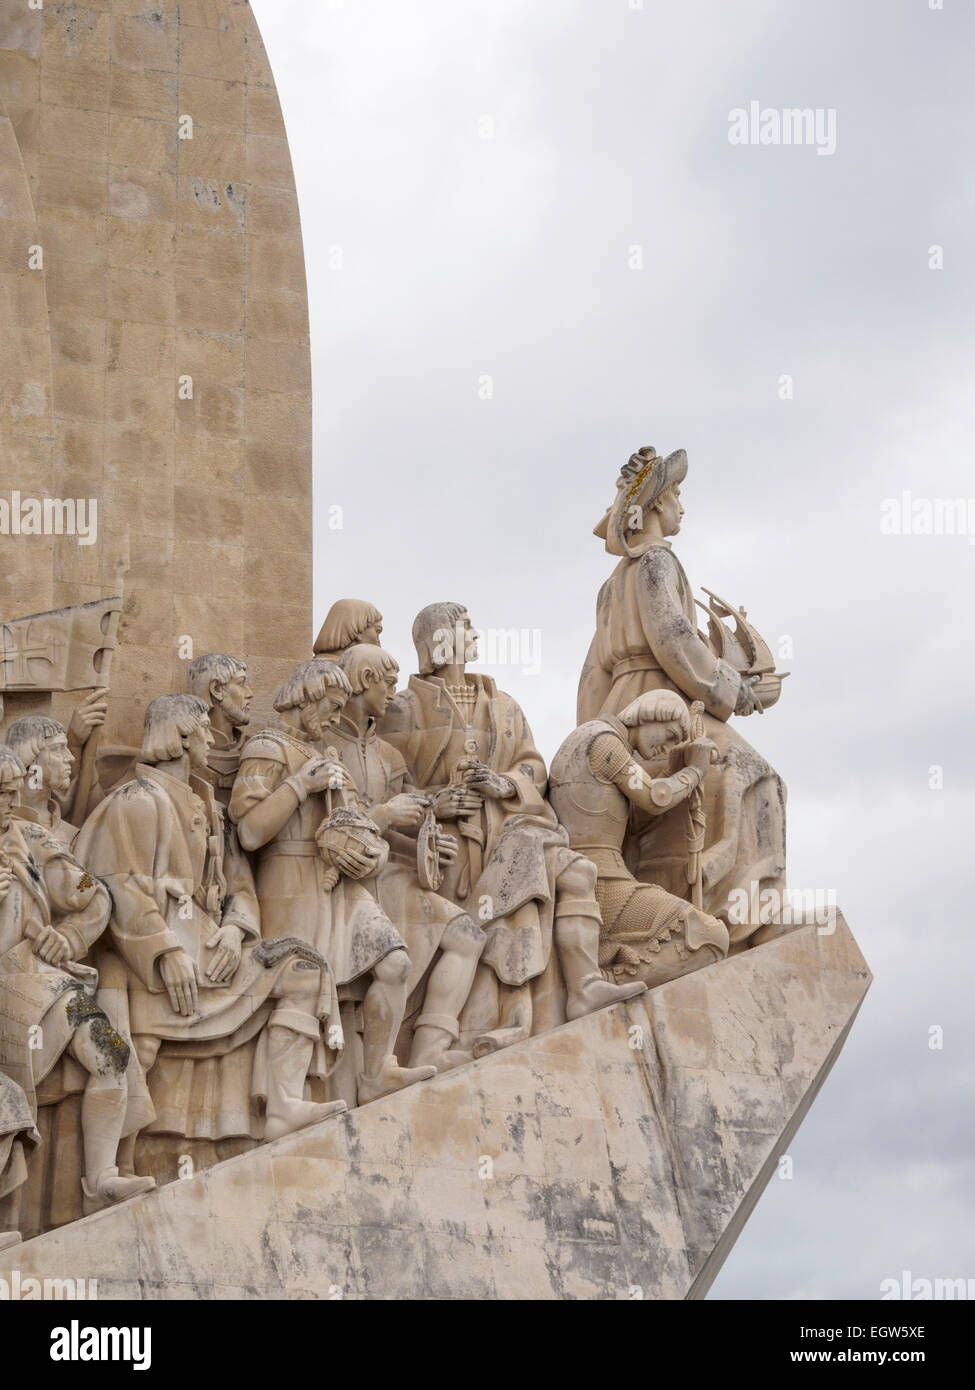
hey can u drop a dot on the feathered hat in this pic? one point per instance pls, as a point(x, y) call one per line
point(643, 478)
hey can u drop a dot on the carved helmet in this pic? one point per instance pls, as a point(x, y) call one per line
point(643, 478)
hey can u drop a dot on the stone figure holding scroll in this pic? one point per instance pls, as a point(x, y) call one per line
point(647, 639)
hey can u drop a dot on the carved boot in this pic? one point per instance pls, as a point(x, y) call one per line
point(433, 1043)
point(577, 939)
point(288, 1056)
point(8, 1238)
point(109, 1188)
point(391, 1077)
point(515, 1024)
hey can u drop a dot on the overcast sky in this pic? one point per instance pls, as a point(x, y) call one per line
point(487, 169)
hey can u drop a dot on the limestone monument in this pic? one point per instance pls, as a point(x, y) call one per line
point(306, 981)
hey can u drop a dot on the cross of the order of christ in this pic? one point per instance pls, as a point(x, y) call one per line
point(19, 649)
point(65, 649)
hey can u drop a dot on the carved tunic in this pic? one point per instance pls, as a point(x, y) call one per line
point(50, 888)
point(512, 851)
point(345, 924)
point(159, 844)
point(420, 914)
point(647, 639)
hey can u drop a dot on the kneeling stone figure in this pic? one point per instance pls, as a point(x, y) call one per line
point(597, 779)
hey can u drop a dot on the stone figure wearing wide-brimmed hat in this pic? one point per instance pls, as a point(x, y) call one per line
point(647, 638)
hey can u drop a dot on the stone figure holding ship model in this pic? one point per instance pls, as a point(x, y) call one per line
point(647, 639)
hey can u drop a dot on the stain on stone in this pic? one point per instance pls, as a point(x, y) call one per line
point(111, 1046)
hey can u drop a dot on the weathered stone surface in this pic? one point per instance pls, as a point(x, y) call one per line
point(623, 1150)
point(163, 258)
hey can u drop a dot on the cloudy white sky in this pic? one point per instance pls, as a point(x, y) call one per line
point(465, 257)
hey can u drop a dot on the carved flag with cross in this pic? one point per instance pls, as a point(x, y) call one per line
point(65, 649)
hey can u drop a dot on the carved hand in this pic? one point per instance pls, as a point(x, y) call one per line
point(51, 946)
point(446, 846)
point(748, 702)
point(358, 863)
point(226, 942)
point(403, 812)
point(179, 975)
point(89, 714)
point(321, 774)
point(700, 754)
point(488, 783)
point(451, 802)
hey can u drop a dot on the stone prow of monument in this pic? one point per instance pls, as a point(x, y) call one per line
point(155, 367)
point(616, 1157)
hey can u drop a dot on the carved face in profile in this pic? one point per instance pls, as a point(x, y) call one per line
point(319, 715)
point(53, 763)
point(235, 698)
point(651, 741)
point(376, 695)
point(457, 644)
point(11, 784)
point(668, 506)
point(198, 744)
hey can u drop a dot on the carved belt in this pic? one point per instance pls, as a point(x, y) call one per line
point(635, 663)
point(299, 849)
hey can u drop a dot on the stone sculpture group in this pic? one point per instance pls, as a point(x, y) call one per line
point(231, 934)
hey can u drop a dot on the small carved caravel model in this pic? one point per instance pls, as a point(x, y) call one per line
point(647, 639)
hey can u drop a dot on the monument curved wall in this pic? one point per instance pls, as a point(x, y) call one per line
point(157, 361)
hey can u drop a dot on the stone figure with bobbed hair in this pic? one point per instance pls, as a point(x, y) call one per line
point(295, 809)
point(349, 621)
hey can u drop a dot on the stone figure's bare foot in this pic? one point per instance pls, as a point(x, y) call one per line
point(599, 994)
point(298, 1114)
point(391, 1078)
point(110, 1188)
